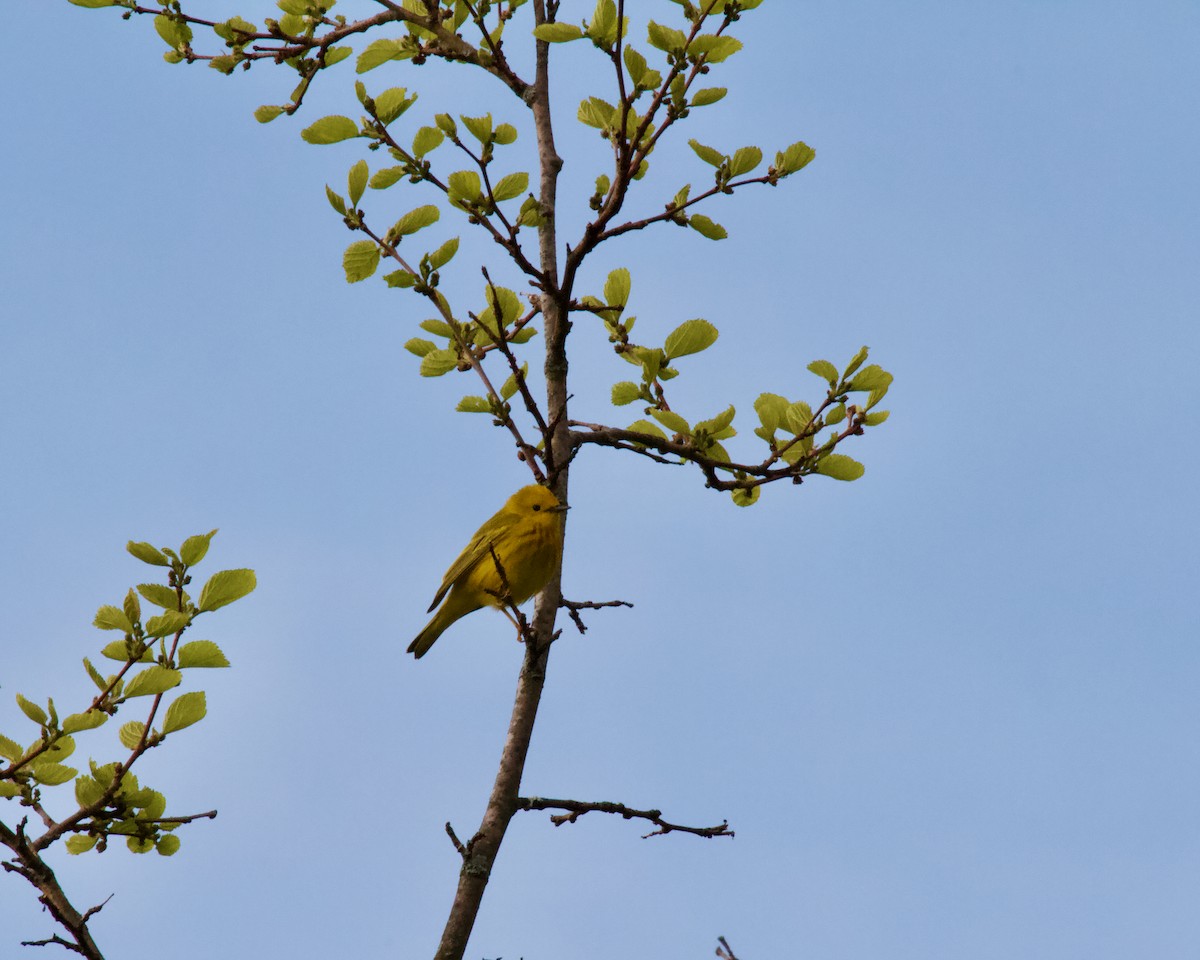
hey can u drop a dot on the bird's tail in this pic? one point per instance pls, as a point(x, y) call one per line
point(449, 611)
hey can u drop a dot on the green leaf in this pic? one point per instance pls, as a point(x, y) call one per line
point(689, 337)
point(557, 32)
point(337, 55)
point(335, 200)
point(666, 39)
point(147, 554)
point(840, 467)
point(159, 595)
point(444, 254)
point(109, 617)
point(645, 426)
point(870, 379)
point(392, 103)
point(330, 130)
point(201, 653)
point(617, 287)
point(597, 113)
point(360, 260)
point(511, 186)
point(89, 720)
point(195, 548)
point(154, 679)
point(702, 98)
point(625, 392)
point(32, 710)
point(836, 414)
point(464, 186)
point(745, 498)
point(130, 734)
point(378, 53)
point(480, 127)
point(855, 363)
point(874, 419)
point(420, 347)
point(265, 114)
point(635, 65)
point(709, 155)
point(825, 370)
point(79, 842)
point(672, 421)
point(400, 278)
point(52, 774)
point(524, 335)
point(706, 227)
point(446, 124)
point(10, 749)
point(93, 4)
point(388, 176)
point(438, 362)
point(416, 220)
point(504, 134)
point(174, 33)
point(719, 424)
point(473, 405)
point(226, 586)
point(167, 846)
point(715, 48)
point(88, 790)
point(510, 385)
point(167, 623)
point(744, 160)
point(771, 408)
point(427, 139)
point(794, 158)
point(356, 181)
point(797, 417)
point(185, 709)
point(439, 328)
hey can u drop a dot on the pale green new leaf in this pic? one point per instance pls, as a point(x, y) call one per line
point(360, 260)
point(504, 134)
point(52, 774)
point(130, 734)
point(147, 554)
point(510, 186)
point(154, 679)
point(167, 623)
point(840, 467)
point(672, 421)
point(76, 722)
point(195, 548)
point(80, 842)
point(557, 32)
point(444, 254)
point(392, 103)
point(201, 653)
point(420, 347)
point(10, 749)
point(109, 617)
point(225, 587)
point(825, 370)
point(264, 114)
point(771, 409)
point(416, 220)
point(356, 181)
point(744, 160)
point(707, 154)
point(480, 127)
point(715, 48)
point(379, 52)
point(625, 392)
point(382, 179)
point(617, 287)
point(464, 185)
point(795, 157)
point(427, 139)
point(438, 362)
point(689, 337)
point(32, 710)
point(706, 227)
point(745, 498)
point(159, 595)
point(702, 98)
point(332, 129)
point(185, 709)
point(472, 404)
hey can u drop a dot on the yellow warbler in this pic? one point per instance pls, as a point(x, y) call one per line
point(526, 535)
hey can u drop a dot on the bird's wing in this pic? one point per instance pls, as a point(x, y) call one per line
point(476, 550)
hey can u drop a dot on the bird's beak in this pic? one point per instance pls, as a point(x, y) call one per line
point(561, 508)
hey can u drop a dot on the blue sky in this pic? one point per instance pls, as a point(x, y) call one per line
point(949, 709)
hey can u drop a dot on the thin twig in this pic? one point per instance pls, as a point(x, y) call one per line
point(577, 808)
point(574, 606)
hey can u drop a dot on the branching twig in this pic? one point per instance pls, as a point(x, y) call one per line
point(577, 808)
point(574, 606)
point(725, 951)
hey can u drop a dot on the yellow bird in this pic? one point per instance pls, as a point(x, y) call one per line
point(526, 535)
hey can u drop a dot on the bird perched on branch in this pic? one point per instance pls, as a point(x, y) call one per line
point(510, 558)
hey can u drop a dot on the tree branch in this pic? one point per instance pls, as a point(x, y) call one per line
point(577, 808)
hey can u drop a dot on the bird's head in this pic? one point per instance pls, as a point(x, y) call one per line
point(534, 499)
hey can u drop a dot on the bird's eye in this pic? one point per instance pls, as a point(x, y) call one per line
point(537, 506)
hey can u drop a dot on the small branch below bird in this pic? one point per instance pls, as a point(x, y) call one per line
point(574, 606)
point(577, 808)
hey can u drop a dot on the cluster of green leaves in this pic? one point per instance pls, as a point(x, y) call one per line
point(153, 660)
